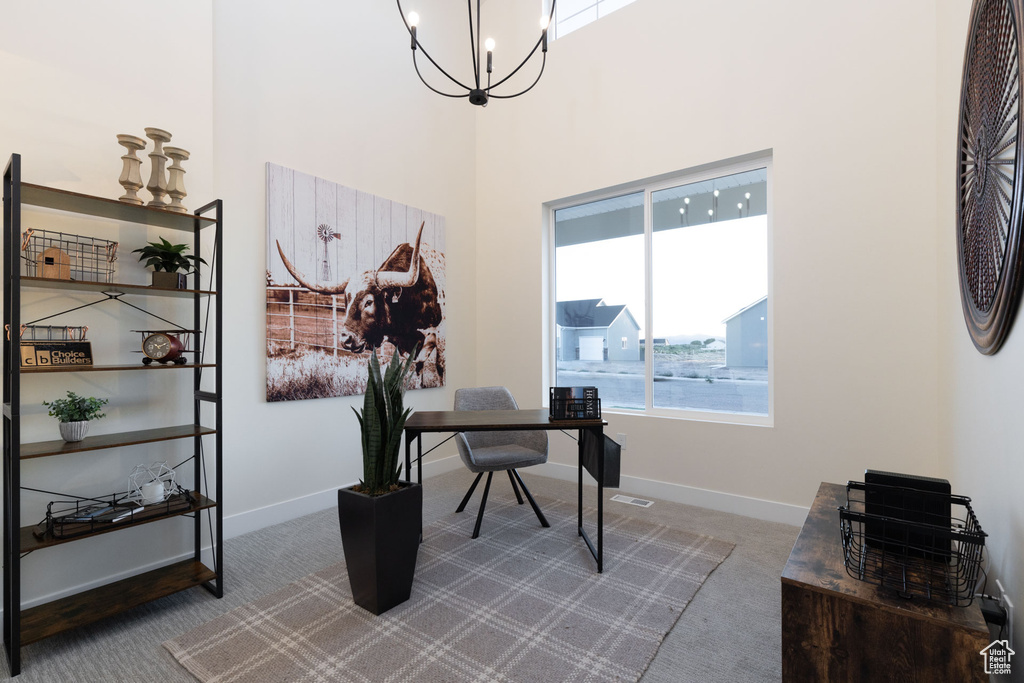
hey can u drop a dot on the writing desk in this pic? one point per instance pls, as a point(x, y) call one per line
point(443, 421)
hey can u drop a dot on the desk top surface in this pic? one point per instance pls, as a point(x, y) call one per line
point(816, 563)
point(491, 420)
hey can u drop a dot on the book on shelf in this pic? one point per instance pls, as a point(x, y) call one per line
point(573, 403)
point(88, 513)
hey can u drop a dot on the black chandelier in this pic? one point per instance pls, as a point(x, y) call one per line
point(476, 93)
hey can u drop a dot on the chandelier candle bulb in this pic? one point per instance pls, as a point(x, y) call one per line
point(414, 19)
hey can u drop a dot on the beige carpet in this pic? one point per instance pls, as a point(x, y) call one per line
point(520, 603)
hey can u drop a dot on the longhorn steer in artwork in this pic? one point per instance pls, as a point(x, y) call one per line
point(399, 301)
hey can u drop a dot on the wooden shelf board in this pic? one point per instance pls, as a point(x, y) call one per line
point(108, 368)
point(81, 285)
point(102, 207)
point(90, 606)
point(42, 449)
point(30, 542)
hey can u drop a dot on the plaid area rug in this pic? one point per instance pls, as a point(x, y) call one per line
point(519, 603)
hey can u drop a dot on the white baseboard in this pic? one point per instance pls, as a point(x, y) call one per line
point(677, 493)
point(286, 510)
point(442, 465)
point(252, 520)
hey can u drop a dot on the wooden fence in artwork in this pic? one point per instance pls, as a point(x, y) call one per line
point(299, 319)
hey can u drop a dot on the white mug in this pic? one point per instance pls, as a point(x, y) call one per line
point(153, 492)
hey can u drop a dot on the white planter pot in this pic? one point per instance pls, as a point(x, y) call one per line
point(74, 431)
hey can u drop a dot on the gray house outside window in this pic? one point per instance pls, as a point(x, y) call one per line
point(746, 336)
point(589, 329)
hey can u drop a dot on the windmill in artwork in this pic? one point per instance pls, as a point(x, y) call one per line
point(325, 323)
point(324, 233)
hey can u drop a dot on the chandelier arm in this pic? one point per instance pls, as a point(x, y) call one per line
point(424, 81)
point(474, 42)
point(427, 55)
point(438, 67)
point(473, 47)
point(523, 92)
point(521, 65)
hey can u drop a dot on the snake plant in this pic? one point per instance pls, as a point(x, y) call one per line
point(381, 422)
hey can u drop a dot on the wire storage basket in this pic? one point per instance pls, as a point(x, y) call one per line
point(917, 543)
point(70, 518)
point(53, 332)
point(66, 256)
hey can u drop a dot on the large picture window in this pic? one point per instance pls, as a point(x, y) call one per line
point(662, 294)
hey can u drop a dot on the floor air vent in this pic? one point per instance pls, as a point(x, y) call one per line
point(639, 502)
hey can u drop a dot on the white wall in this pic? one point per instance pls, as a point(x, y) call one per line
point(844, 95)
point(982, 394)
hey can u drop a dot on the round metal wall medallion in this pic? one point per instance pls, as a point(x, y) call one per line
point(989, 173)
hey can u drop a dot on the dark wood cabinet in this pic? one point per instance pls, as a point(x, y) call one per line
point(201, 506)
point(837, 628)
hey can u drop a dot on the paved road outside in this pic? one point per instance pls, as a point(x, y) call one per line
point(723, 393)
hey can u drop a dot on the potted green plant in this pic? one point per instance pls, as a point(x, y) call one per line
point(381, 517)
point(74, 414)
point(167, 259)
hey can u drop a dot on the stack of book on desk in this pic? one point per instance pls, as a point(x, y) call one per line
point(573, 403)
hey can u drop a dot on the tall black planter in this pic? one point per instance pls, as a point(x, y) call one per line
point(381, 536)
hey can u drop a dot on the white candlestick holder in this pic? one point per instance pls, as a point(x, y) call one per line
point(131, 173)
point(157, 177)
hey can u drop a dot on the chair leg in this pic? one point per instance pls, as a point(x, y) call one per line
point(483, 502)
point(462, 505)
point(514, 487)
point(533, 503)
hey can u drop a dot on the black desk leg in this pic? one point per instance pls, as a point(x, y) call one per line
point(600, 499)
point(598, 550)
point(409, 436)
point(579, 484)
point(408, 456)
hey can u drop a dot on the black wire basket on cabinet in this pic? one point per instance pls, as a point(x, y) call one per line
point(917, 543)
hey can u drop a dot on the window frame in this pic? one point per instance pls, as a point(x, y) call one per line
point(649, 186)
point(595, 5)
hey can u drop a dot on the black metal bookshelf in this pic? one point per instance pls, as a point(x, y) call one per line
point(23, 626)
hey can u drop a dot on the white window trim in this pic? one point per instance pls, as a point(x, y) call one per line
point(555, 34)
point(649, 186)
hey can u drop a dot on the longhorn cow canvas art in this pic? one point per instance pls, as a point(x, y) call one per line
point(347, 273)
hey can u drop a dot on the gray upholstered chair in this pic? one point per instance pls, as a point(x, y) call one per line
point(494, 451)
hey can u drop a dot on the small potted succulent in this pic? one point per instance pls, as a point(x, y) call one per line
point(381, 517)
point(74, 414)
point(167, 260)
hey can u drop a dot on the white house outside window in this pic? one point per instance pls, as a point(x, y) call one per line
point(678, 271)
